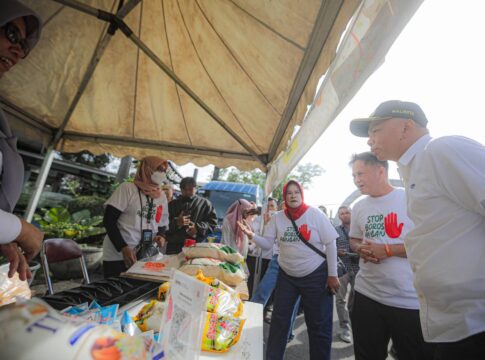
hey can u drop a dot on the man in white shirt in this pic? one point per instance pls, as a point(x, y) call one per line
point(19, 241)
point(385, 303)
point(445, 190)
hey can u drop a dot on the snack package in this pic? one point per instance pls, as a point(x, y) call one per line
point(163, 291)
point(222, 299)
point(221, 332)
point(229, 273)
point(214, 251)
point(35, 330)
point(13, 287)
point(150, 316)
point(224, 303)
point(128, 326)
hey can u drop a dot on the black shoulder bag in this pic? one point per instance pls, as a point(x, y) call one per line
point(341, 269)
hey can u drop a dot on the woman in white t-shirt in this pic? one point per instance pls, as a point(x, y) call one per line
point(136, 212)
point(303, 272)
point(232, 235)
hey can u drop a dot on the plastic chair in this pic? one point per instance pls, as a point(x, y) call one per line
point(57, 250)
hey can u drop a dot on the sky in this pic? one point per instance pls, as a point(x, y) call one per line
point(438, 62)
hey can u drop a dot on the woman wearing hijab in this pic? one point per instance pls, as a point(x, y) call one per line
point(303, 272)
point(232, 235)
point(20, 29)
point(136, 212)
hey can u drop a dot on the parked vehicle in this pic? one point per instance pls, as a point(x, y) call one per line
point(222, 194)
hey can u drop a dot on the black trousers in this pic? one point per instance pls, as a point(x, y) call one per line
point(251, 262)
point(374, 324)
point(470, 348)
point(113, 268)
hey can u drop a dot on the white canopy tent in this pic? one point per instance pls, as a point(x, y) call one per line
point(220, 82)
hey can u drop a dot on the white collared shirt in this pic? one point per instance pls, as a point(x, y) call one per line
point(445, 188)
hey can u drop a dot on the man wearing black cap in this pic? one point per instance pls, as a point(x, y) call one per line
point(445, 189)
point(19, 241)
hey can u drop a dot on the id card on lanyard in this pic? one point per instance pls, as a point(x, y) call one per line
point(146, 234)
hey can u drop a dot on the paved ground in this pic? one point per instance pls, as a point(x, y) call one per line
point(297, 349)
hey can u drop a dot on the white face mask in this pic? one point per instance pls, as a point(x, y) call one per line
point(158, 177)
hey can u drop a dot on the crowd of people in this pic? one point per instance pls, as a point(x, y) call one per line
point(414, 256)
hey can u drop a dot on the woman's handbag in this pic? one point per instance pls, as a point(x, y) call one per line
point(341, 269)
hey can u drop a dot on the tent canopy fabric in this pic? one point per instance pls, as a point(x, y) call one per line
point(220, 82)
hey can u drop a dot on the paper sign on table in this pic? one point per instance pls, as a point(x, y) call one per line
point(181, 332)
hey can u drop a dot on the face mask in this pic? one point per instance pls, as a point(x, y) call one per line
point(272, 212)
point(158, 177)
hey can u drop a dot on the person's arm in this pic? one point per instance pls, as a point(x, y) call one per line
point(110, 220)
point(10, 225)
point(331, 252)
point(209, 221)
point(380, 252)
point(355, 244)
point(265, 242)
point(22, 241)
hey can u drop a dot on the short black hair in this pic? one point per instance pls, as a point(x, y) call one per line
point(272, 199)
point(369, 159)
point(187, 182)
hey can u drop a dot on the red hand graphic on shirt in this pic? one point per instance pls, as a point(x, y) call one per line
point(393, 230)
point(305, 232)
point(158, 216)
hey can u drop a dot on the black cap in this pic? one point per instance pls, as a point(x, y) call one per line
point(387, 110)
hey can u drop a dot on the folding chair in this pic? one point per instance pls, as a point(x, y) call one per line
point(57, 250)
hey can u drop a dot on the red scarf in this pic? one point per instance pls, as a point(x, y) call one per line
point(295, 213)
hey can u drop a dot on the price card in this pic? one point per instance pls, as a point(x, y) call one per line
point(181, 332)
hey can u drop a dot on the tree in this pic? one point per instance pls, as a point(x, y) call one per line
point(303, 174)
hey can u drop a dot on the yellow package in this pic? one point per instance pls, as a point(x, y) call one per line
point(221, 332)
point(163, 291)
point(150, 316)
point(222, 299)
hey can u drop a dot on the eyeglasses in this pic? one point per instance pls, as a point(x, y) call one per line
point(12, 32)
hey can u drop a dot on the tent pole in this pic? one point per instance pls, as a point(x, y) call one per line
point(259, 258)
point(39, 184)
point(98, 53)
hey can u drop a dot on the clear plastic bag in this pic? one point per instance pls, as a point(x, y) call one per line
point(13, 287)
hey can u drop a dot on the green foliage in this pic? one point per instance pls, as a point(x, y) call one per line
point(86, 158)
point(246, 177)
point(303, 174)
point(59, 223)
point(93, 203)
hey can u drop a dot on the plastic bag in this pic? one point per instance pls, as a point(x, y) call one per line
point(221, 332)
point(229, 273)
point(150, 316)
point(35, 330)
point(214, 251)
point(13, 287)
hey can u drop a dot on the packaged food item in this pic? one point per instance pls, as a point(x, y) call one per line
point(150, 316)
point(231, 274)
point(13, 287)
point(35, 330)
point(222, 299)
point(224, 303)
point(215, 251)
point(163, 291)
point(128, 326)
point(221, 332)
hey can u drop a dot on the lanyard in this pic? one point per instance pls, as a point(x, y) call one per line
point(149, 215)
